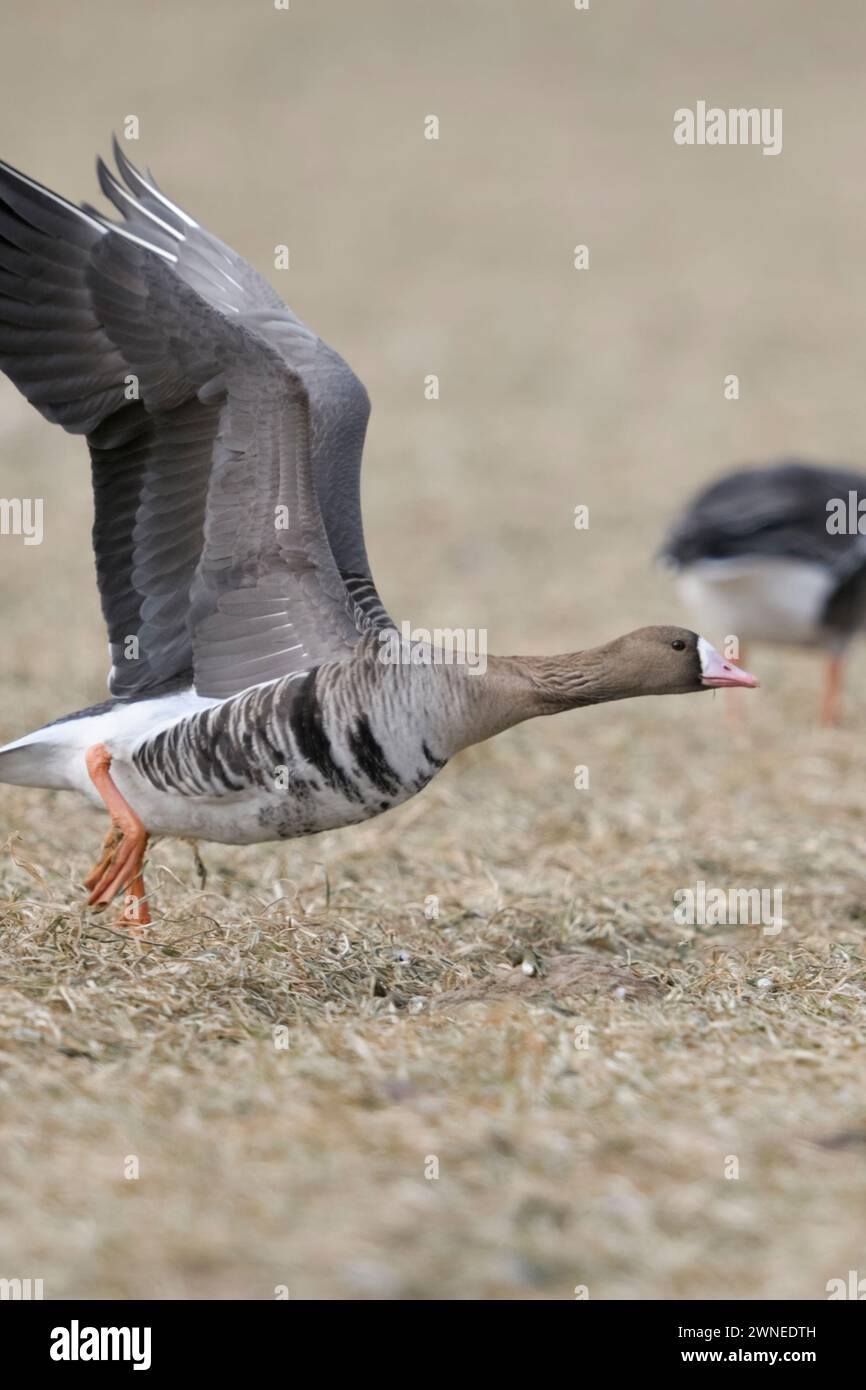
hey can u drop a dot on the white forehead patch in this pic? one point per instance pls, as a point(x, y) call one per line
point(705, 652)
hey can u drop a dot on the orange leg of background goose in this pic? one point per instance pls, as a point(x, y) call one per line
point(831, 703)
point(119, 869)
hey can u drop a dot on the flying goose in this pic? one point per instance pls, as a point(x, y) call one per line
point(257, 689)
point(775, 554)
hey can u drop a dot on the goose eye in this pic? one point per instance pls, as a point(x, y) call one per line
point(678, 645)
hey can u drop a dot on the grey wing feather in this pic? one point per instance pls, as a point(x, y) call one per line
point(339, 404)
point(227, 513)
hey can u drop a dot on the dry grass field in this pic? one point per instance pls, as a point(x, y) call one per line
point(582, 1069)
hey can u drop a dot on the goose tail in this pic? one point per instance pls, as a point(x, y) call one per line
point(35, 761)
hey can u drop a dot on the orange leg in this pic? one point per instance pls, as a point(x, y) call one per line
point(832, 701)
point(119, 869)
point(135, 911)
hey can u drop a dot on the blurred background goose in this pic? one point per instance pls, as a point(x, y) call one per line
point(774, 554)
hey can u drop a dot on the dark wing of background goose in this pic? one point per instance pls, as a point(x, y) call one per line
point(779, 512)
point(225, 438)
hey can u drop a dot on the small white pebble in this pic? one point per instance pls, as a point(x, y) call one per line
point(764, 982)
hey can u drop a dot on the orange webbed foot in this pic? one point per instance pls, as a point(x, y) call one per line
point(109, 848)
point(119, 869)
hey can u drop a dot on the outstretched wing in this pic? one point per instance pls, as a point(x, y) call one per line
point(225, 438)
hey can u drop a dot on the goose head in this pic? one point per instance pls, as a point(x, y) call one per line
point(666, 661)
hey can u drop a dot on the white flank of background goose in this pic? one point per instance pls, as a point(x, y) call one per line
point(760, 555)
point(255, 690)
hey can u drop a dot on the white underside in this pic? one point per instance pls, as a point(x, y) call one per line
point(768, 600)
point(62, 747)
point(55, 757)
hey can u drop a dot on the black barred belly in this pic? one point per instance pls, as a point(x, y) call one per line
point(279, 747)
